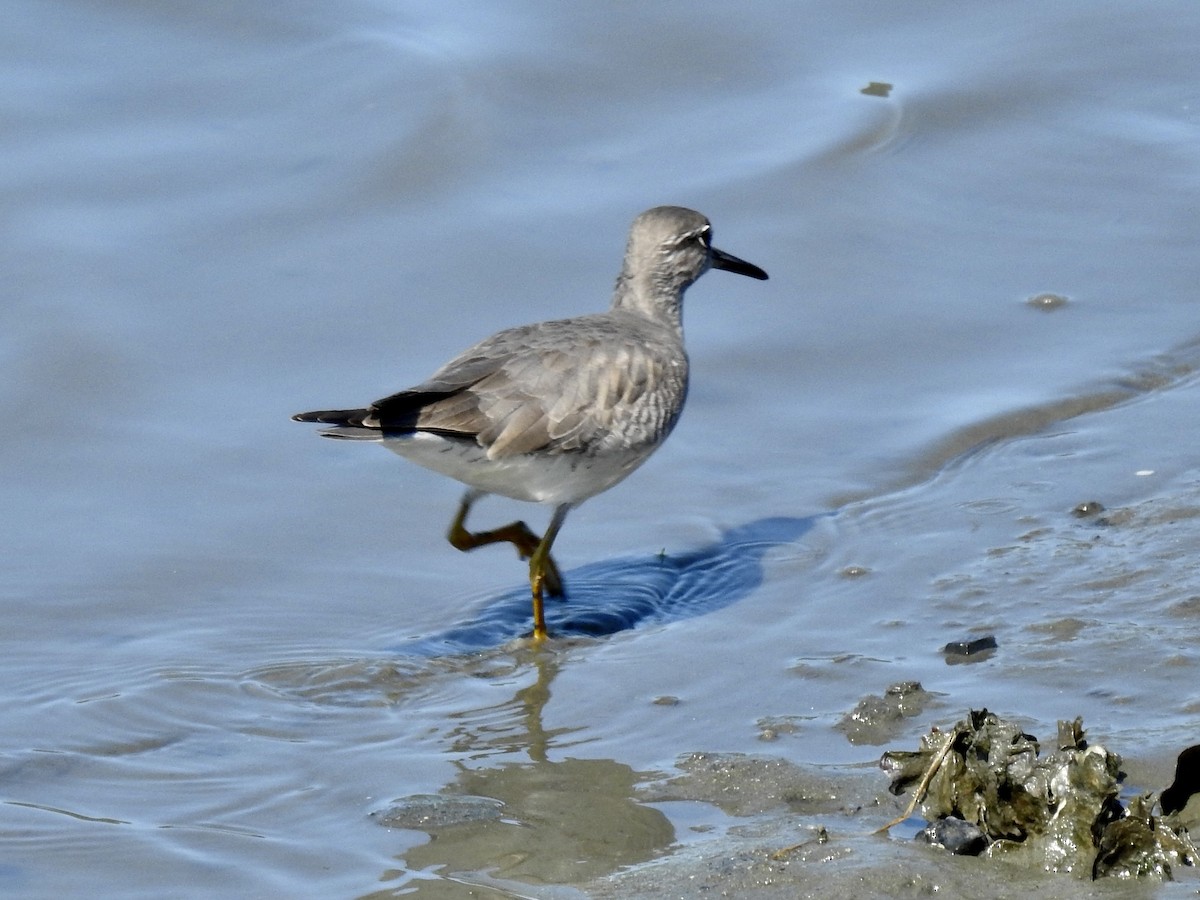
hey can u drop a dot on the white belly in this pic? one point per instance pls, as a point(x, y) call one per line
point(559, 478)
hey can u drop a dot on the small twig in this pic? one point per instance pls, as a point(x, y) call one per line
point(821, 838)
point(934, 765)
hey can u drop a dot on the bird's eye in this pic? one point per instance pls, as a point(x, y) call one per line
point(701, 237)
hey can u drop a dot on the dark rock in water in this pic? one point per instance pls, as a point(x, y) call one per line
point(1186, 783)
point(979, 648)
point(959, 837)
point(1087, 509)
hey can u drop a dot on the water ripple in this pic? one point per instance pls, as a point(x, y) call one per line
point(607, 597)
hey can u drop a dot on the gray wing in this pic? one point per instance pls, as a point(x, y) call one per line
point(554, 387)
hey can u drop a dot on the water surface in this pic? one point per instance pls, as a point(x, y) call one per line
point(230, 647)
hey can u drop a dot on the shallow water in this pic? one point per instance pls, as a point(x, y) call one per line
point(231, 647)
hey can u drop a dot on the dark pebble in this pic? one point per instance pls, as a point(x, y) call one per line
point(956, 835)
point(970, 648)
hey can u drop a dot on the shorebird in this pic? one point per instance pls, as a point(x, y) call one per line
point(558, 411)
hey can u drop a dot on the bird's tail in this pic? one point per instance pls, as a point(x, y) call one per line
point(348, 422)
point(333, 416)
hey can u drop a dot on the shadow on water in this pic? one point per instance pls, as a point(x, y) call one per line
point(603, 598)
point(615, 595)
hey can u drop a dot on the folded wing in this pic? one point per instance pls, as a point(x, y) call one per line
point(496, 393)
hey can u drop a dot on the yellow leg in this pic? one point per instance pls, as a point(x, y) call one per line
point(543, 572)
point(540, 564)
point(515, 533)
point(539, 610)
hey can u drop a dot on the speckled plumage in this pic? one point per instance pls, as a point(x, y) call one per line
point(558, 411)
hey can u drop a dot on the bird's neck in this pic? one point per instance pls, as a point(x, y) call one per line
point(655, 299)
